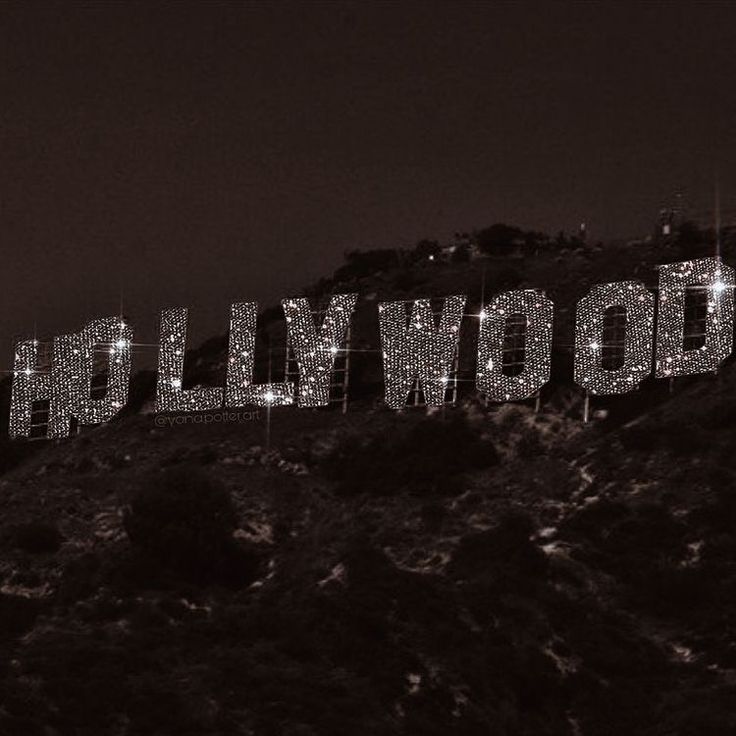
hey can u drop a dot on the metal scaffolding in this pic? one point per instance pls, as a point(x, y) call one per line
point(40, 409)
point(613, 342)
point(513, 352)
point(100, 371)
point(696, 314)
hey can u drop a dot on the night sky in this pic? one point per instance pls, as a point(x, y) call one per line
point(196, 155)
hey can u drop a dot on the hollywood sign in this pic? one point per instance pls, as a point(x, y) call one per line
point(414, 348)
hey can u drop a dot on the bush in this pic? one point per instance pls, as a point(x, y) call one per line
point(429, 456)
point(17, 615)
point(15, 451)
point(184, 519)
point(36, 537)
point(362, 264)
point(504, 552)
point(498, 238)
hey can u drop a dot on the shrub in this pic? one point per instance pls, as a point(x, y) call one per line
point(639, 438)
point(184, 519)
point(429, 456)
point(15, 451)
point(361, 264)
point(36, 537)
point(498, 238)
point(505, 551)
point(17, 615)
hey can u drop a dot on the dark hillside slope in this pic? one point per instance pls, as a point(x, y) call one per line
point(473, 571)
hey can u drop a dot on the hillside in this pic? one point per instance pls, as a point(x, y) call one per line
point(476, 570)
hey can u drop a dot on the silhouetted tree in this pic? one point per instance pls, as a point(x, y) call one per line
point(497, 237)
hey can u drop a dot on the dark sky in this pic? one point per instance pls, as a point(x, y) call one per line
point(203, 154)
